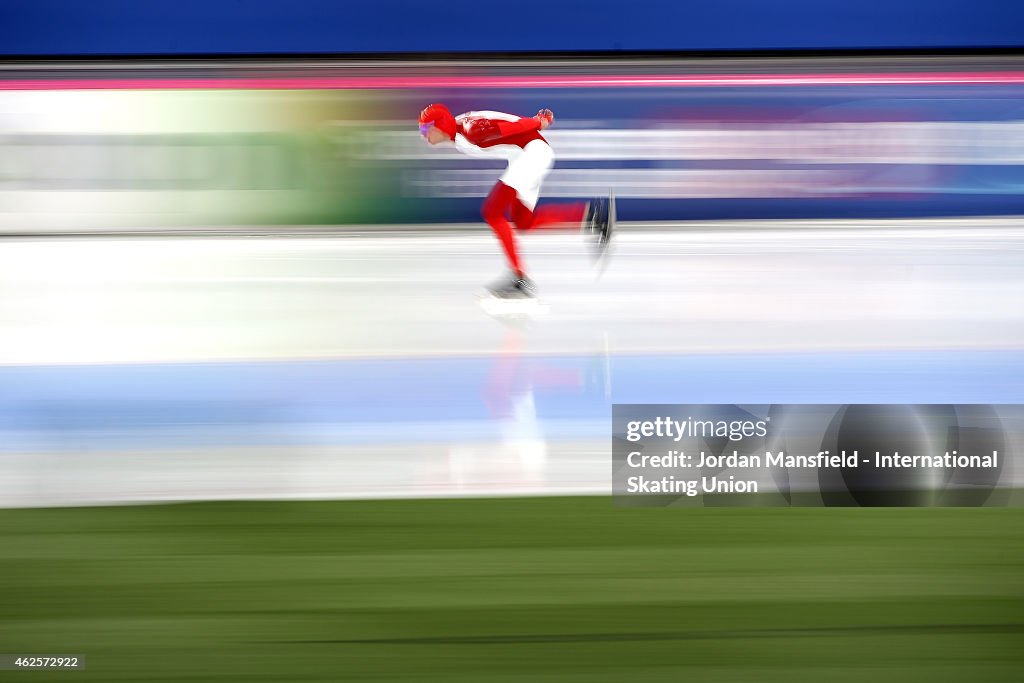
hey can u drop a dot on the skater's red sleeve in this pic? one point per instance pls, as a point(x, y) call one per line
point(525, 125)
point(487, 130)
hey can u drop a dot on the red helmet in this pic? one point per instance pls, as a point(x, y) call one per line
point(439, 115)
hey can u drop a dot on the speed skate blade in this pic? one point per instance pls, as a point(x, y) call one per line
point(604, 246)
point(611, 214)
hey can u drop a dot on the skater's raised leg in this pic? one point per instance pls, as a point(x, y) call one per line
point(549, 217)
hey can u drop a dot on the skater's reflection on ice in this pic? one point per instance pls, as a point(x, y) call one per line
point(519, 459)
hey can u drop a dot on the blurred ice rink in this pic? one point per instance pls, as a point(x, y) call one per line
point(237, 367)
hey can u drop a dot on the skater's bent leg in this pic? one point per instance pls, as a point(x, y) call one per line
point(495, 209)
point(521, 216)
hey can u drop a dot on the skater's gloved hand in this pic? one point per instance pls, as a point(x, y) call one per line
point(546, 118)
point(481, 130)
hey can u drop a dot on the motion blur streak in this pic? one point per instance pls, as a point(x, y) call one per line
point(604, 81)
point(97, 146)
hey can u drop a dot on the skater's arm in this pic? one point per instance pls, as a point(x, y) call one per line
point(486, 130)
point(509, 128)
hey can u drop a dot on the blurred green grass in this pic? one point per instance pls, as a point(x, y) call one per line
point(540, 589)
